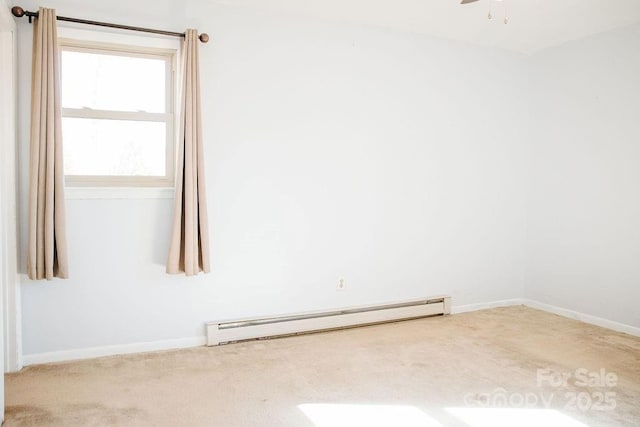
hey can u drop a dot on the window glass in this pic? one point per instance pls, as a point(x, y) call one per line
point(117, 114)
point(114, 147)
point(113, 82)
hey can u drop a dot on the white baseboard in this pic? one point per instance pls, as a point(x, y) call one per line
point(456, 309)
point(587, 318)
point(89, 353)
point(112, 350)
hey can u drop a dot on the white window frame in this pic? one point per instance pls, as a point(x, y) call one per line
point(139, 47)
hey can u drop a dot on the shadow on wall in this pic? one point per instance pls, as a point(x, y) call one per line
point(162, 231)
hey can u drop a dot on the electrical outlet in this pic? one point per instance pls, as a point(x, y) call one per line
point(340, 286)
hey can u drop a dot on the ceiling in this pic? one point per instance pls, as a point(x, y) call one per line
point(533, 24)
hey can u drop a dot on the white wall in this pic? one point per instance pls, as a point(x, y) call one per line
point(8, 217)
point(392, 160)
point(584, 210)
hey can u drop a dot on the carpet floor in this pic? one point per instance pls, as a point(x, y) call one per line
point(512, 366)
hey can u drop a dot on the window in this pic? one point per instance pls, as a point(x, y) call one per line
point(117, 114)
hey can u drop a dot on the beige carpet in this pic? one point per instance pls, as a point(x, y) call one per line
point(473, 369)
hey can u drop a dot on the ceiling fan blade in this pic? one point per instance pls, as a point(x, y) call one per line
point(467, 1)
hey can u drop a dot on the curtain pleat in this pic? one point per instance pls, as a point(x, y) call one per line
point(189, 247)
point(47, 243)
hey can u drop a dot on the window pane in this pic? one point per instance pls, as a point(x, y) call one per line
point(110, 82)
point(114, 147)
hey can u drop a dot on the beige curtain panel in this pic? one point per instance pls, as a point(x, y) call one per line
point(47, 246)
point(189, 247)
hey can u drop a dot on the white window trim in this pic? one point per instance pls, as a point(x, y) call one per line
point(109, 187)
point(92, 193)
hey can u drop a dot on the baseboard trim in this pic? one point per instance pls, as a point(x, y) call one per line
point(586, 318)
point(112, 350)
point(93, 352)
point(457, 309)
point(549, 308)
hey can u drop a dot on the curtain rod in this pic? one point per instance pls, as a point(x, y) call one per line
point(19, 12)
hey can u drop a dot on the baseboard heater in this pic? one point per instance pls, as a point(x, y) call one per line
point(224, 332)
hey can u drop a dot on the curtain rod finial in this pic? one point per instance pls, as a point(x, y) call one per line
point(17, 11)
point(204, 37)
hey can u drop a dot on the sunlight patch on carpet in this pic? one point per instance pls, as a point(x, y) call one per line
point(343, 415)
point(509, 417)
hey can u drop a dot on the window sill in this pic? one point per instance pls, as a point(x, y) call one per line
point(82, 193)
